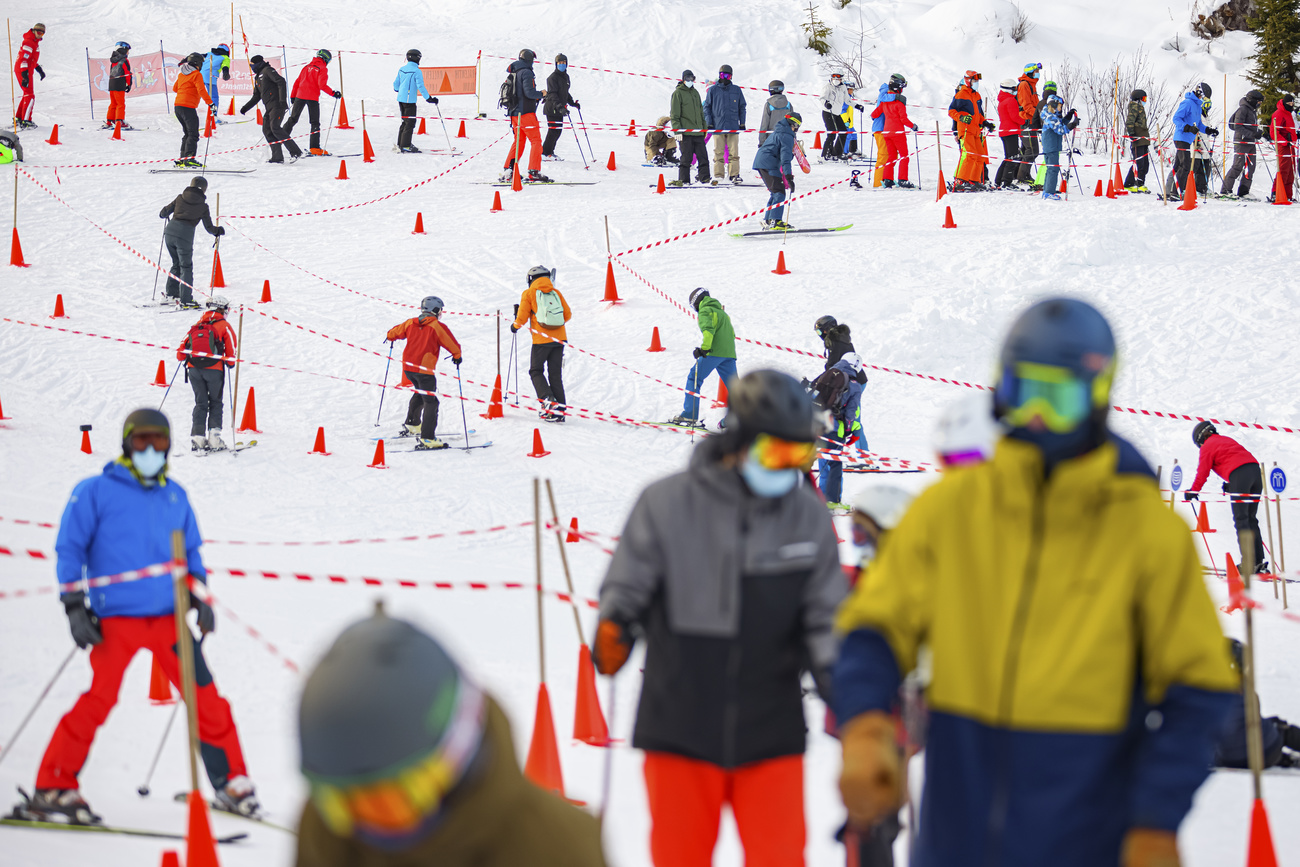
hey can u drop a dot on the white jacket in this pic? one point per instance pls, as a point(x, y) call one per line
point(836, 94)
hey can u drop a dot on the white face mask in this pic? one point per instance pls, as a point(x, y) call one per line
point(689, 83)
point(149, 463)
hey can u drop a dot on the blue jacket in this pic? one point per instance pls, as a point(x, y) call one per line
point(113, 524)
point(409, 83)
point(878, 124)
point(1054, 131)
point(775, 154)
point(212, 66)
point(848, 416)
point(1188, 114)
point(724, 107)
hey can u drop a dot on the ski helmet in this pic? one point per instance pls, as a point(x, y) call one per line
point(1202, 432)
point(1054, 102)
point(431, 305)
point(147, 420)
point(1049, 87)
point(38, 27)
point(1009, 85)
point(1255, 97)
point(897, 82)
point(774, 403)
point(414, 55)
point(774, 87)
point(528, 55)
point(1203, 90)
point(560, 58)
point(535, 272)
point(697, 295)
point(224, 49)
point(199, 183)
point(687, 75)
point(885, 505)
point(1138, 96)
point(824, 324)
point(724, 69)
point(123, 45)
point(1206, 105)
point(324, 54)
point(10, 140)
point(1033, 69)
point(966, 431)
point(194, 59)
point(853, 360)
point(795, 119)
point(850, 84)
point(256, 63)
point(219, 302)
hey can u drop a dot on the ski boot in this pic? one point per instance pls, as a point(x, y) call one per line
point(1052, 197)
point(431, 444)
point(508, 173)
point(180, 163)
point(57, 805)
point(887, 184)
point(192, 163)
point(686, 421)
point(215, 442)
point(769, 225)
point(409, 149)
point(659, 161)
point(678, 184)
point(237, 796)
point(737, 180)
point(536, 177)
point(908, 185)
point(319, 152)
point(409, 430)
point(672, 160)
point(782, 226)
point(198, 444)
point(853, 179)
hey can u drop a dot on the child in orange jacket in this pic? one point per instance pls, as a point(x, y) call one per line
point(189, 89)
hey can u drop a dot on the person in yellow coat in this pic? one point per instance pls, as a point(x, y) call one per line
point(967, 111)
point(1078, 676)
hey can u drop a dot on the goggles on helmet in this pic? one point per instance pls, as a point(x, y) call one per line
point(141, 440)
point(1057, 395)
point(774, 453)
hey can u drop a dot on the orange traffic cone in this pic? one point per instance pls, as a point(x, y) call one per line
point(461, 132)
point(1260, 853)
point(722, 395)
point(200, 848)
point(319, 447)
point(1065, 184)
point(160, 378)
point(655, 345)
point(421, 131)
point(419, 223)
point(171, 859)
point(611, 289)
point(1203, 519)
point(160, 689)
point(378, 461)
point(610, 165)
point(1235, 588)
point(266, 292)
point(817, 141)
point(2, 414)
point(780, 263)
point(1098, 193)
point(16, 252)
point(516, 181)
point(942, 188)
point(249, 420)
point(494, 405)
point(947, 218)
point(1280, 196)
point(543, 764)
point(588, 721)
point(496, 202)
point(1189, 202)
point(85, 438)
point(1110, 189)
point(259, 115)
point(659, 187)
point(572, 535)
point(1119, 183)
point(230, 109)
point(210, 127)
point(343, 170)
point(343, 114)
point(58, 308)
point(631, 127)
point(538, 451)
point(54, 136)
point(117, 131)
point(218, 276)
point(367, 150)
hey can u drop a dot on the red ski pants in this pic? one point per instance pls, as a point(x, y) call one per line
point(116, 105)
point(29, 97)
point(686, 798)
point(528, 133)
point(896, 160)
point(123, 638)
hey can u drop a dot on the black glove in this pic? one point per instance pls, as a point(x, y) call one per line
point(988, 125)
point(220, 230)
point(40, 72)
point(1225, 487)
point(1187, 127)
point(513, 328)
point(700, 352)
point(457, 361)
point(826, 105)
point(25, 79)
point(84, 623)
point(243, 111)
point(162, 215)
point(859, 108)
point(1209, 130)
point(338, 94)
point(207, 617)
point(1072, 123)
point(225, 73)
point(433, 100)
point(516, 311)
point(1069, 115)
point(1190, 495)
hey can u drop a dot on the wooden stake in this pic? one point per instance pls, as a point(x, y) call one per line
point(185, 650)
point(938, 147)
point(216, 247)
point(1155, 144)
point(1268, 520)
point(13, 105)
point(1254, 738)
point(564, 558)
point(498, 342)
point(1224, 169)
point(537, 552)
point(239, 351)
point(608, 252)
point(1281, 548)
point(340, 70)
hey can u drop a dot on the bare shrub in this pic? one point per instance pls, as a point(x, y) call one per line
point(1021, 26)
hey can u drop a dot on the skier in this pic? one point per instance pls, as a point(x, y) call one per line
point(311, 84)
point(209, 343)
point(1280, 740)
point(730, 572)
point(425, 338)
point(408, 761)
point(886, 94)
point(1009, 129)
point(1027, 97)
point(894, 113)
point(1187, 123)
point(1203, 154)
point(523, 120)
point(850, 124)
point(119, 85)
point(1036, 121)
point(1063, 609)
point(216, 68)
point(660, 145)
point(717, 351)
point(1057, 124)
point(834, 98)
point(11, 149)
point(1244, 126)
point(28, 62)
point(121, 523)
point(269, 87)
point(409, 85)
point(556, 104)
point(774, 108)
point(686, 113)
point(1243, 481)
point(839, 393)
point(724, 114)
point(189, 91)
point(838, 341)
point(183, 215)
point(773, 163)
point(967, 109)
point(1283, 133)
point(543, 310)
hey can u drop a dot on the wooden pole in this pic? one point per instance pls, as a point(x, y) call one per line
point(537, 552)
point(234, 402)
point(1115, 140)
point(216, 248)
point(363, 112)
point(1268, 520)
point(1281, 548)
point(1254, 738)
point(185, 650)
point(162, 68)
point(608, 252)
point(938, 147)
point(564, 558)
point(13, 104)
point(1224, 164)
point(498, 341)
point(1164, 197)
point(340, 71)
point(15, 195)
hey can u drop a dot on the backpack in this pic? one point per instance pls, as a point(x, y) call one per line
point(508, 96)
point(550, 309)
point(203, 338)
point(830, 390)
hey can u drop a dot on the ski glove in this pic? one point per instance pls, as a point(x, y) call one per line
point(826, 104)
point(988, 125)
point(40, 72)
point(207, 617)
point(433, 100)
point(514, 328)
point(859, 108)
point(84, 623)
point(225, 73)
point(965, 118)
point(456, 361)
point(700, 352)
point(1149, 847)
point(338, 94)
point(577, 105)
point(612, 647)
point(1187, 127)
point(1191, 495)
point(871, 780)
point(1211, 131)
point(219, 231)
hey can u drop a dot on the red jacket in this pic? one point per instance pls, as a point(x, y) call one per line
point(895, 112)
point(1008, 114)
point(29, 53)
point(312, 82)
point(224, 332)
point(1282, 129)
point(1223, 455)
point(424, 338)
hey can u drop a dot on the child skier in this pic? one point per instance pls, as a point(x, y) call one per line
point(834, 98)
point(967, 111)
point(27, 64)
point(897, 123)
point(773, 163)
point(216, 68)
point(838, 392)
point(556, 104)
point(1056, 126)
point(717, 351)
point(409, 84)
point(119, 85)
point(189, 91)
point(660, 146)
point(269, 87)
point(183, 215)
point(1242, 479)
point(544, 311)
point(210, 336)
point(1244, 126)
point(312, 83)
point(425, 338)
point(774, 108)
point(1139, 139)
point(1009, 129)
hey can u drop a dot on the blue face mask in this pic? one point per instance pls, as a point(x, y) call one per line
point(149, 463)
point(768, 483)
point(563, 67)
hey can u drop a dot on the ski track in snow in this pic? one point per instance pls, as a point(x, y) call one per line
point(1202, 305)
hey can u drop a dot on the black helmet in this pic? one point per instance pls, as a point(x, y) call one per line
point(795, 119)
point(528, 55)
point(687, 75)
point(414, 55)
point(897, 82)
point(199, 183)
point(1138, 95)
point(1255, 97)
point(432, 305)
point(697, 295)
point(324, 54)
point(561, 58)
point(194, 59)
point(535, 272)
point(774, 403)
point(10, 140)
point(1202, 432)
point(775, 87)
point(824, 324)
point(724, 68)
point(1204, 91)
point(146, 420)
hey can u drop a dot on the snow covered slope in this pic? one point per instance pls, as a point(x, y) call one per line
point(1202, 303)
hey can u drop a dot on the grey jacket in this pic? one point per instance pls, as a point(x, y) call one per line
point(776, 107)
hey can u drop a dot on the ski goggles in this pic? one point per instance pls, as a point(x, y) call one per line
point(724, 76)
point(774, 453)
point(141, 440)
point(1056, 395)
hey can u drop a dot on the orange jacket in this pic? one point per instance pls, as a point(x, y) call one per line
point(225, 334)
point(189, 89)
point(528, 313)
point(1027, 96)
point(425, 337)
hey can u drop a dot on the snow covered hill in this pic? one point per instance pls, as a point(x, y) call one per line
point(1203, 305)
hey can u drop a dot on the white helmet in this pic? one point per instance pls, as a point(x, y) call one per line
point(854, 361)
point(219, 302)
point(966, 432)
point(883, 504)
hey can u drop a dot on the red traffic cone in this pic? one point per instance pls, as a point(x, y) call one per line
point(343, 171)
point(1110, 189)
point(343, 114)
point(1203, 518)
point(610, 165)
point(611, 289)
point(588, 722)
point(817, 141)
point(16, 252)
point(160, 689)
point(266, 292)
point(171, 859)
point(941, 188)
point(655, 345)
point(54, 136)
point(494, 405)
point(419, 224)
point(1260, 852)
point(218, 276)
point(160, 378)
point(538, 451)
point(516, 181)
point(1065, 184)
point(259, 115)
point(58, 308)
point(1280, 196)
point(421, 131)
point(319, 447)
point(461, 132)
point(117, 131)
point(780, 263)
point(1235, 588)
point(249, 420)
point(722, 394)
point(377, 462)
point(572, 535)
point(1099, 193)
point(1119, 183)
point(496, 202)
point(230, 109)
point(85, 438)
point(367, 150)
point(543, 764)
point(659, 187)
point(947, 218)
point(200, 848)
point(2, 414)
point(631, 127)
point(210, 126)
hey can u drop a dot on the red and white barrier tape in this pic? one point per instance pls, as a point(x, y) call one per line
point(415, 538)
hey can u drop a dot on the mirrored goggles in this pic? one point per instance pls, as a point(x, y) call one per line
point(724, 76)
point(141, 440)
point(1055, 394)
point(774, 453)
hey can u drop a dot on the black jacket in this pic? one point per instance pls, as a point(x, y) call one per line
point(186, 210)
point(269, 87)
point(557, 94)
point(838, 344)
point(526, 92)
point(119, 74)
point(1244, 122)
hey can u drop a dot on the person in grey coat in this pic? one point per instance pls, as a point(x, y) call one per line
point(1244, 125)
point(183, 215)
point(773, 110)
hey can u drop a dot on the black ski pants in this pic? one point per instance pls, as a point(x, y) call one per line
point(1009, 168)
point(189, 118)
point(427, 402)
point(833, 146)
point(313, 118)
point(551, 386)
point(407, 129)
point(1028, 153)
point(1137, 173)
point(1243, 166)
point(554, 126)
point(1249, 481)
point(693, 148)
point(1182, 165)
point(208, 384)
point(275, 134)
point(180, 277)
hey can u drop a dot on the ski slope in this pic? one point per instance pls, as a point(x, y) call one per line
point(1202, 303)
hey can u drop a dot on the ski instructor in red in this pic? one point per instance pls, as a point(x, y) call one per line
point(114, 555)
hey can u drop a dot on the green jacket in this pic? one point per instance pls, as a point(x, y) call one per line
point(686, 111)
point(1135, 124)
point(719, 337)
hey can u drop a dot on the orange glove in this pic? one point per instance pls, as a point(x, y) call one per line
point(871, 780)
point(613, 645)
point(1149, 847)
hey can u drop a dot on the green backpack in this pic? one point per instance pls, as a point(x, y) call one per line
point(550, 309)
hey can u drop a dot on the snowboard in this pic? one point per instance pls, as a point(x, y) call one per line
point(777, 233)
point(800, 157)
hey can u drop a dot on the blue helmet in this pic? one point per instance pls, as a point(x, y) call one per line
point(123, 45)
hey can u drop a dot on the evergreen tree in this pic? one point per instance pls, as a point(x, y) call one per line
point(1274, 68)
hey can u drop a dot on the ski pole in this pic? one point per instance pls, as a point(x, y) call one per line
point(916, 148)
point(207, 143)
point(143, 788)
point(179, 365)
point(607, 784)
point(331, 126)
point(464, 425)
point(517, 388)
point(582, 121)
point(573, 129)
point(444, 126)
point(161, 240)
point(9, 747)
point(384, 390)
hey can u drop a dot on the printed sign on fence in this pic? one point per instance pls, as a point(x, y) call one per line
point(450, 80)
point(155, 72)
